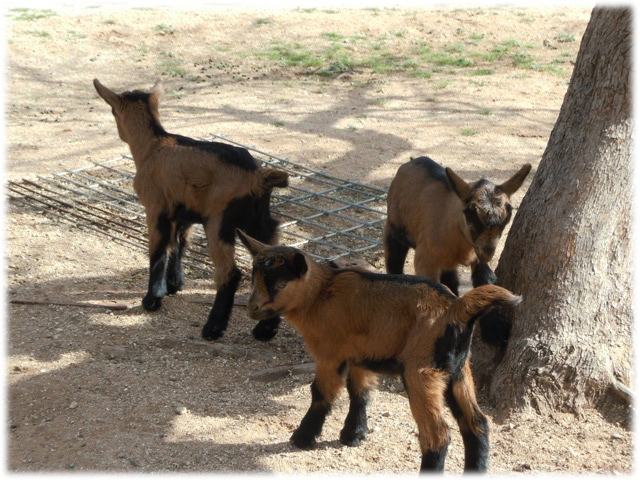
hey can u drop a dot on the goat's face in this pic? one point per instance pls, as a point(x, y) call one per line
point(277, 272)
point(486, 209)
point(133, 111)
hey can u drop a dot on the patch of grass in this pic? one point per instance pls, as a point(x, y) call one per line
point(30, 15)
point(485, 112)
point(278, 123)
point(258, 22)
point(292, 55)
point(171, 66)
point(38, 33)
point(565, 38)
point(332, 36)
point(109, 22)
point(523, 60)
point(164, 29)
point(476, 36)
point(482, 72)
point(420, 74)
point(501, 50)
point(469, 132)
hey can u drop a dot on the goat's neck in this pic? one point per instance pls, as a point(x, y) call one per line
point(142, 146)
point(316, 280)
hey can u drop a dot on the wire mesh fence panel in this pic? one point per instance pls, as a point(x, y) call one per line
point(328, 217)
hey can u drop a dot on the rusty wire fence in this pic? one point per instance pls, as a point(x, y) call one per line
point(328, 217)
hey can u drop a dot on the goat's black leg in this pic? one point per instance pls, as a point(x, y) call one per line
point(222, 306)
point(159, 239)
point(324, 390)
point(396, 248)
point(451, 280)
point(495, 328)
point(481, 274)
point(355, 425)
point(175, 276)
point(266, 329)
point(461, 399)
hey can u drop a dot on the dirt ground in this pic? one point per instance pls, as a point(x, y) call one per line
point(99, 391)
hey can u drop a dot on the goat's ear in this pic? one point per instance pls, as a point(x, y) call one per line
point(462, 188)
point(515, 182)
point(253, 245)
point(158, 89)
point(299, 264)
point(107, 95)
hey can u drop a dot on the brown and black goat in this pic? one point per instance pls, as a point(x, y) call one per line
point(357, 324)
point(449, 223)
point(180, 182)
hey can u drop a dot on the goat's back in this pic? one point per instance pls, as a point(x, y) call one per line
point(421, 200)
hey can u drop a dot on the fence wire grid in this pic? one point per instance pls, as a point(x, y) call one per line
point(328, 217)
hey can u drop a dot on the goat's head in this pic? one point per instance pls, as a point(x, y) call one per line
point(133, 111)
point(276, 276)
point(486, 209)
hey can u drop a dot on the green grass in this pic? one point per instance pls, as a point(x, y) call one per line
point(164, 28)
point(469, 132)
point(38, 33)
point(258, 22)
point(30, 15)
point(565, 38)
point(171, 66)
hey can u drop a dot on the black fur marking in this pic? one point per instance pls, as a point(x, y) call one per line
point(221, 310)
point(185, 217)
point(397, 248)
point(229, 154)
point(401, 279)
point(495, 328)
point(387, 366)
point(435, 170)
point(276, 278)
point(476, 227)
point(476, 446)
point(304, 436)
point(266, 329)
point(342, 368)
point(451, 350)
point(250, 214)
point(158, 266)
point(451, 280)
point(483, 275)
point(355, 425)
point(433, 460)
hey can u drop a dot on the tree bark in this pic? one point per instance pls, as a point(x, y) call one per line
point(568, 251)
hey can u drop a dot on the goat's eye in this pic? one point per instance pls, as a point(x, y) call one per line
point(282, 284)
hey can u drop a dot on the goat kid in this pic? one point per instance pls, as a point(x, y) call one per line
point(180, 182)
point(357, 324)
point(449, 223)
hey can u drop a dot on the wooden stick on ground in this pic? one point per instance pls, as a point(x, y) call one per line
point(109, 306)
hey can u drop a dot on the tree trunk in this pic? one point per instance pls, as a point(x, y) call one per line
point(568, 251)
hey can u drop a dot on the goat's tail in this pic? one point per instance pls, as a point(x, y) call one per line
point(477, 304)
point(269, 178)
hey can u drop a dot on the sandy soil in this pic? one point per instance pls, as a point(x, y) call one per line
point(94, 390)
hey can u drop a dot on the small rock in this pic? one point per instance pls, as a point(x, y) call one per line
point(73, 405)
point(522, 467)
point(617, 436)
point(181, 410)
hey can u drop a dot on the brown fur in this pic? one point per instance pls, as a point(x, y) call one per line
point(180, 182)
point(354, 318)
point(428, 213)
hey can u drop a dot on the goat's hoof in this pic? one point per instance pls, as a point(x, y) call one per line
point(352, 438)
point(302, 441)
point(212, 333)
point(173, 289)
point(151, 303)
point(264, 332)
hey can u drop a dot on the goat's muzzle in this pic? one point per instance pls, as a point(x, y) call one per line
point(260, 312)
